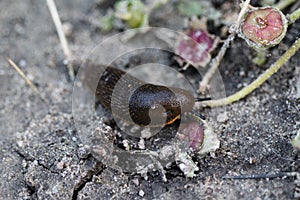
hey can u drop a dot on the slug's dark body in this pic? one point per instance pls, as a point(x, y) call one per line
point(128, 97)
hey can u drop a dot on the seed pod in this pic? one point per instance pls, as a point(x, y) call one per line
point(263, 27)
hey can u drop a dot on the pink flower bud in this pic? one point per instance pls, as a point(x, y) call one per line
point(264, 27)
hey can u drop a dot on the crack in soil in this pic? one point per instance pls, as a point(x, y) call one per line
point(98, 169)
point(88, 178)
point(32, 159)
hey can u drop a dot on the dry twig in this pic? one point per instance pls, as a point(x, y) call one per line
point(62, 37)
point(13, 64)
point(216, 61)
point(32, 86)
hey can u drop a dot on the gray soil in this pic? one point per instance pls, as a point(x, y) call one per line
point(42, 156)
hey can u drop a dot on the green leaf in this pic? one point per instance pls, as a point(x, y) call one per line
point(133, 12)
point(190, 8)
point(107, 22)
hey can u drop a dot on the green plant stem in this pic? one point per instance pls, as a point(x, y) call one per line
point(294, 16)
point(256, 83)
point(284, 3)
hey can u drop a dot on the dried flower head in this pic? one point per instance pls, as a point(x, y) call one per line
point(196, 47)
point(264, 27)
point(195, 134)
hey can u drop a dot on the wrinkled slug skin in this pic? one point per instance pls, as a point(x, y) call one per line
point(128, 96)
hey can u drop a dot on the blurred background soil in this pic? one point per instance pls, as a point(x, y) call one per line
point(42, 157)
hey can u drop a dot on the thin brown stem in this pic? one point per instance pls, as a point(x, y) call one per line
point(62, 37)
point(216, 61)
point(27, 80)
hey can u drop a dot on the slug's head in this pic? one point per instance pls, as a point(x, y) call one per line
point(153, 105)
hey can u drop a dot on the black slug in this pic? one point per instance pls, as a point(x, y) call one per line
point(126, 96)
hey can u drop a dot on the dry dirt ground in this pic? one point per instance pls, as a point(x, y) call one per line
point(42, 157)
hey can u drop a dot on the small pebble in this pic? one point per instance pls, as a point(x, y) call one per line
point(242, 73)
point(222, 117)
point(126, 144)
point(141, 193)
point(136, 182)
point(65, 62)
point(141, 143)
point(60, 165)
point(24, 163)
point(22, 63)
point(67, 28)
point(83, 152)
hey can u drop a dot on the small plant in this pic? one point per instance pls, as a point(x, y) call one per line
point(191, 8)
point(107, 21)
point(133, 12)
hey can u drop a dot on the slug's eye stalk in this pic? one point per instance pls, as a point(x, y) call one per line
point(197, 99)
point(263, 27)
point(201, 116)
